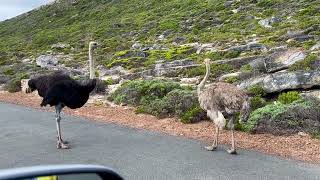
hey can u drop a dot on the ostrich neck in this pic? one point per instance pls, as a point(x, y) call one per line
point(203, 82)
point(91, 63)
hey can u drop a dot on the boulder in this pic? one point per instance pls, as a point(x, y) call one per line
point(280, 81)
point(311, 94)
point(194, 80)
point(231, 75)
point(302, 35)
point(283, 59)
point(162, 68)
point(47, 60)
point(238, 62)
point(136, 45)
point(60, 46)
point(267, 23)
point(116, 70)
point(115, 78)
point(315, 47)
point(247, 47)
point(206, 47)
point(27, 60)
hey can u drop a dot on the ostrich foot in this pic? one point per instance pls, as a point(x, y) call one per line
point(210, 148)
point(232, 151)
point(62, 145)
point(63, 141)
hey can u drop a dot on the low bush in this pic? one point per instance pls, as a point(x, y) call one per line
point(256, 90)
point(257, 102)
point(14, 85)
point(288, 97)
point(160, 98)
point(284, 119)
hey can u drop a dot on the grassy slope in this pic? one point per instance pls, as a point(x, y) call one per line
point(110, 23)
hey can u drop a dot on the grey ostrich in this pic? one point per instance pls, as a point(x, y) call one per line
point(60, 90)
point(222, 100)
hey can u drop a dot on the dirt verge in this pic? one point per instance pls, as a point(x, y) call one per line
point(297, 147)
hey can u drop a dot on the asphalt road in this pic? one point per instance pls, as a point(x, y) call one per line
point(28, 137)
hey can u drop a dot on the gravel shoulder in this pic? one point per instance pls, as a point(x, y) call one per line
point(302, 148)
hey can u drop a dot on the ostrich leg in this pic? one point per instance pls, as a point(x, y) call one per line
point(231, 126)
point(60, 143)
point(215, 141)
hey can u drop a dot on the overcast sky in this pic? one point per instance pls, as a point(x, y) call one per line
point(12, 8)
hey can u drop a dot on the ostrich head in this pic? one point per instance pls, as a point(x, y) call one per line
point(207, 61)
point(93, 45)
point(31, 86)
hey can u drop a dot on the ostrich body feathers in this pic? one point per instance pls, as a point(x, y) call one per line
point(69, 93)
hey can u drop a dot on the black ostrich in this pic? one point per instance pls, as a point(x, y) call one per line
point(61, 90)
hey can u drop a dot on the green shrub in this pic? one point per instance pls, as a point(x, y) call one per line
point(257, 102)
point(193, 115)
point(288, 97)
point(161, 99)
point(108, 81)
point(232, 79)
point(14, 85)
point(246, 68)
point(268, 111)
point(315, 134)
point(141, 91)
point(8, 71)
point(224, 55)
point(267, 3)
point(279, 118)
point(257, 90)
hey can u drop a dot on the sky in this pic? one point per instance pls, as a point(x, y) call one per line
point(12, 8)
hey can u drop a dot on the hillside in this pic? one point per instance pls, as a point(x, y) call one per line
point(118, 24)
point(271, 48)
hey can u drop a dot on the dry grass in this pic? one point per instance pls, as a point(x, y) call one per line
point(296, 147)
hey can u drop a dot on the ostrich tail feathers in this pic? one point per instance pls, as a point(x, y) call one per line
point(245, 111)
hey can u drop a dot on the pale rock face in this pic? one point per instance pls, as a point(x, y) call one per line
point(281, 81)
point(315, 47)
point(312, 94)
point(47, 60)
point(136, 46)
point(267, 23)
point(24, 85)
point(194, 80)
point(284, 59)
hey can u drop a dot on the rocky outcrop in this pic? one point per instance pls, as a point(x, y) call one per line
point(302, 35)
point(47, 60)
point(283, 59)
point(231, 75)
point(247, 47)
point(267, 23)
point(194, 80)
point(60, 46)
point(281, 81)
point(315, 47)
point(162, 68)
point(238, 62)
point(312, 94)
point(116, 70)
